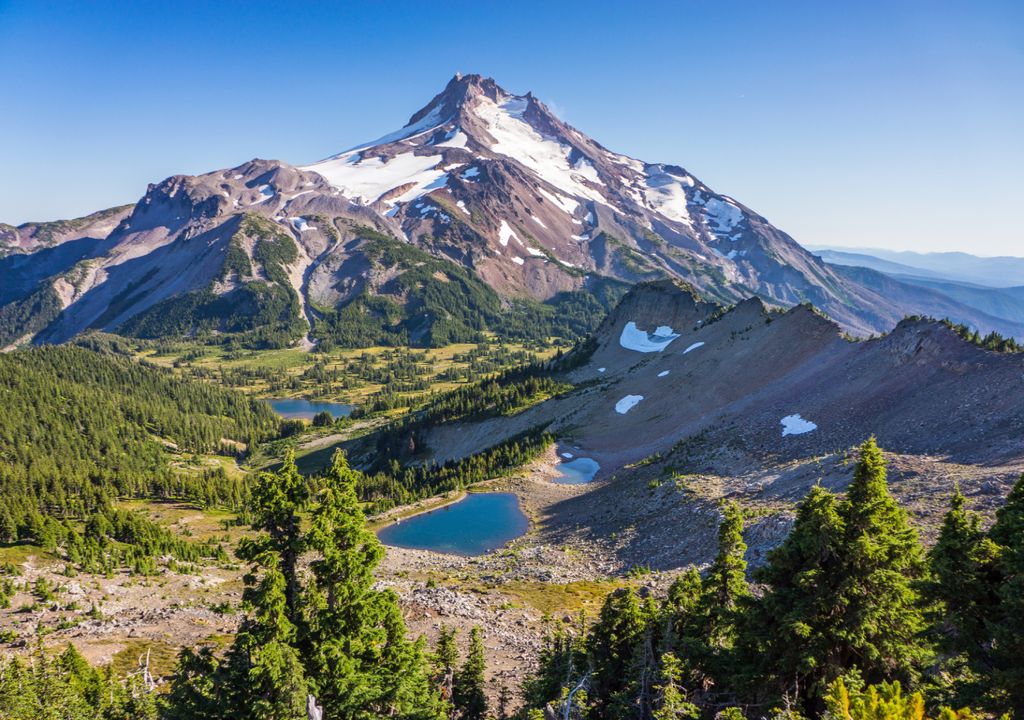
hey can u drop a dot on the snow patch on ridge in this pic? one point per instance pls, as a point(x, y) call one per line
point(505, 233)
point(693, 347)
point(546, 156)
point(368, 179)
point(567, 204)
point(724, 215)
point(627, 403)
point(665, 195)
point(633, 338)
point(796, 425)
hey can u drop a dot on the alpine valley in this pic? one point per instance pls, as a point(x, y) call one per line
point(483, 419)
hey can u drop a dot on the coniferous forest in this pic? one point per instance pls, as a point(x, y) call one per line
point(849, 618)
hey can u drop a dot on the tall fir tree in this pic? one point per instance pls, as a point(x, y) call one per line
point(1007, 619)
point(277, 499)
point(445, 658)
point(883, 562)
point(469, 696)
point(963, 589)
point(791, 635)
point(613, 641)
point(356, 649)
point(671, 702)
point(725, 584)
point(266, 679)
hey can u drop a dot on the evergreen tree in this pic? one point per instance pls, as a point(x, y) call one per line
point(194, 687)
point(1007, 623)
point(613, 642)
point(685, 635)
point(562, 663)
point(725, 584)
point(882, 621)
point(446, 656)
point(265, 674)
point(356, 646)
point(671, 700)
point(964, 594)
point(470, 700)
point(791, 636)
point(277, 499)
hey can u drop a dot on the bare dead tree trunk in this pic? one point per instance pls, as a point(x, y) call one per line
point(313, 711)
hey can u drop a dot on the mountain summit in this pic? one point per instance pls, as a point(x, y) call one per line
point(503, 201)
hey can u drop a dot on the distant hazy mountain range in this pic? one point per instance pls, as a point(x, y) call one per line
point(485, 212)
point(992, 285)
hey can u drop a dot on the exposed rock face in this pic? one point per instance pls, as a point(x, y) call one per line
point(488, 180)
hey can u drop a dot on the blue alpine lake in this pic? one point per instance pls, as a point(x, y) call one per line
point(302, 409)
point(475, 525)
point(576, 472)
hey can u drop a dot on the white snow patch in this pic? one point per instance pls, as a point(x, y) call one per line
point(428, 122)
point(505, 233)
point(796, 425)
point(568, 456)
point(546, 156)
point(633, 338)
point(601, 370)
point(239, 176)
point(535, 252)
point(724, 215)
point(462, 206)
point(470, 173)
point(370, 178)
point(518, 261)
point(584, 236)
point(539, 221)
point(567, 204)
point(663, 373)
point(455, 140)
point(666, 196)
point(300, 224)
point(693, 347)
point(627, 403)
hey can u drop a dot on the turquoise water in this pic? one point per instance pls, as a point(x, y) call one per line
point(299, 408)
point(475, 525)
point(577, 472)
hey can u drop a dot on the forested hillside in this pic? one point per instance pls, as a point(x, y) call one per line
point(79, 429)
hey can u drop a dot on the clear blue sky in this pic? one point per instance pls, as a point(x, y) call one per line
point(887, 124)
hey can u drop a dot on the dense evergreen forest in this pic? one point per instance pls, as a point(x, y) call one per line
point(398, 485)
point(80, 429)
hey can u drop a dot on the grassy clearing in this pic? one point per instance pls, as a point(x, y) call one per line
point(20, 553)
point(163, 656)
point(188, 520)
point(567, 599)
